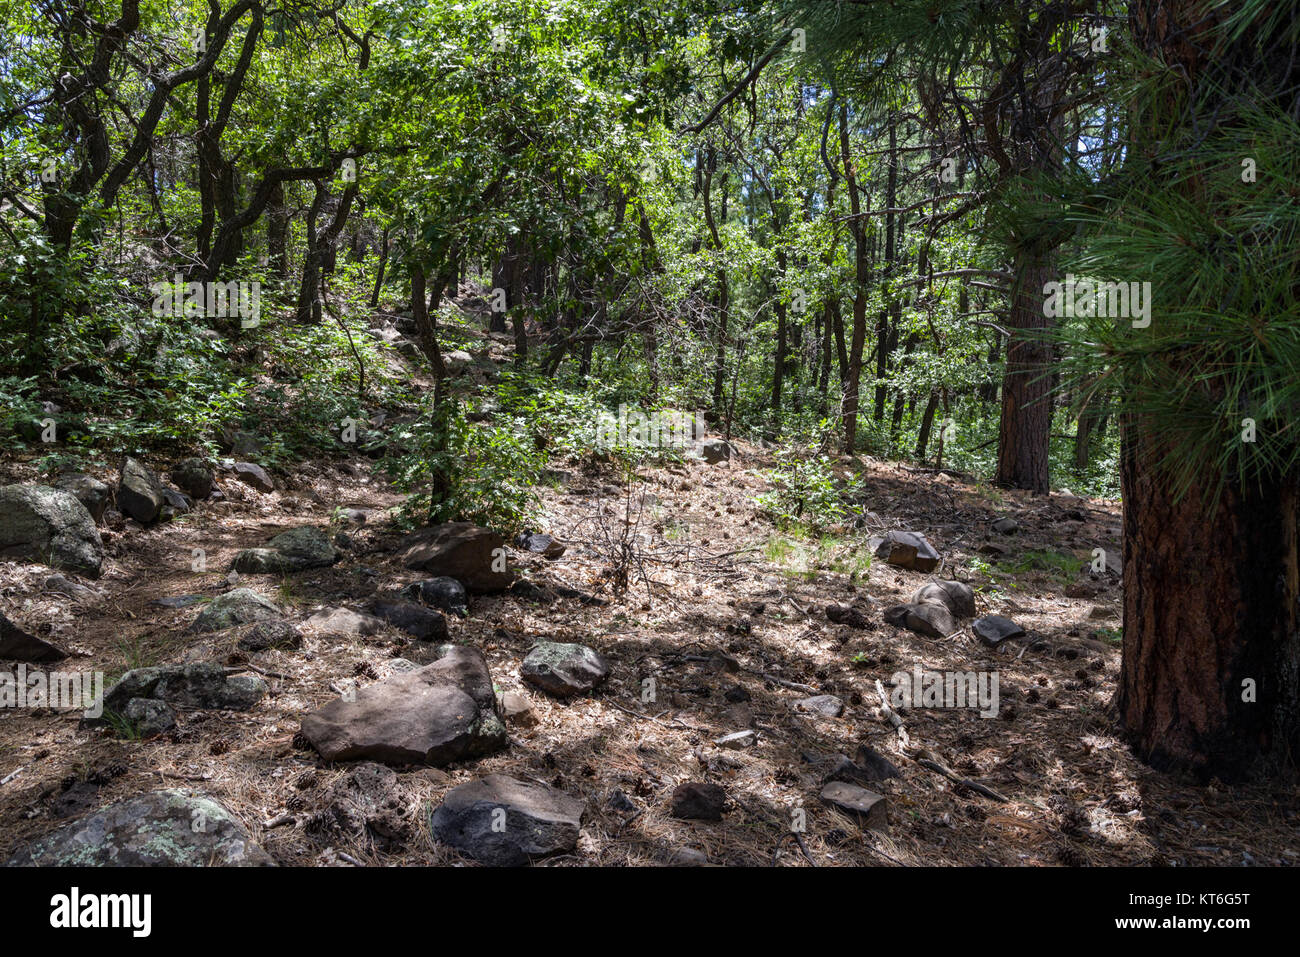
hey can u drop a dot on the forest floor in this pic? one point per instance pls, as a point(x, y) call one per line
point(732, 627)
point(736, 604)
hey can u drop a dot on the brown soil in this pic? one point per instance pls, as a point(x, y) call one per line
point(1074, 794)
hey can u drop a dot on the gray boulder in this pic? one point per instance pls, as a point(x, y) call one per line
point(344, 623)
point(174, 503)
point(461, 550)
point(443, 712)
point(906, 550)
point(293, 551)
point(416, 620)
point(242, 606)
point(171, 828)
point(18, 645)
point(193, 477)
point(714, 451)
point(924, 618)
point(563, 669)
point(89, 491)
point(139, 493)
point(198, 686)
point(43, 524)
point(505, 822)
point(957, 597)
point(443, 592)
point(148, 717)
point(272, 633)
point(253, 475)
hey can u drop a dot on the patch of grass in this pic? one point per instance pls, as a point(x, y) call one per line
point(121, 727)
point(1112, 636)
point(1059, 565)
point(800, 556)
point(135, 653)
point(677, 531)
point(992, 588)
point(284, 592)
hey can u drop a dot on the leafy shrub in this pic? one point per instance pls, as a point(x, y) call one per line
point(456, 470)
point(805, 492)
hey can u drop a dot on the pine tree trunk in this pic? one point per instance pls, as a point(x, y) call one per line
point(1026, 411)
point(1210, 680)
point(1210, 605)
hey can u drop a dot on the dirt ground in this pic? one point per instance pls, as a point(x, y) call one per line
point(732, 603)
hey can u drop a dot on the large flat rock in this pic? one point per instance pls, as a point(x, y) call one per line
point(472, 555)
point(170, 828)
point(503, 821)
point(50, 526)
point(443, 712)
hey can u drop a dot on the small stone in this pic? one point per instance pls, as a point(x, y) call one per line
point(957, 597)
point(564, 669)
point(826, 705)
point(62, 585)
point(344, 623)
point(869, 806)
point(906, 550)
point(518, 710)
point(243, 606)
point(442, 592)
point(698, 801)
point(266, 635)
point(995, 629)
point(874, 764)
point(422, 623)
point(545, 545)
point(846, 615)
point(737, 740)
point(1006, 526)
point(687, 857)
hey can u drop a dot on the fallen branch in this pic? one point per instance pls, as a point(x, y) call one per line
point(938, 768)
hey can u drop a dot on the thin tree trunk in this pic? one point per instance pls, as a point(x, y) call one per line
point(1026, 410)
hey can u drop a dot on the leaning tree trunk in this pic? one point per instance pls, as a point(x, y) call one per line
point(1210, 679)
point(1026, 385)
